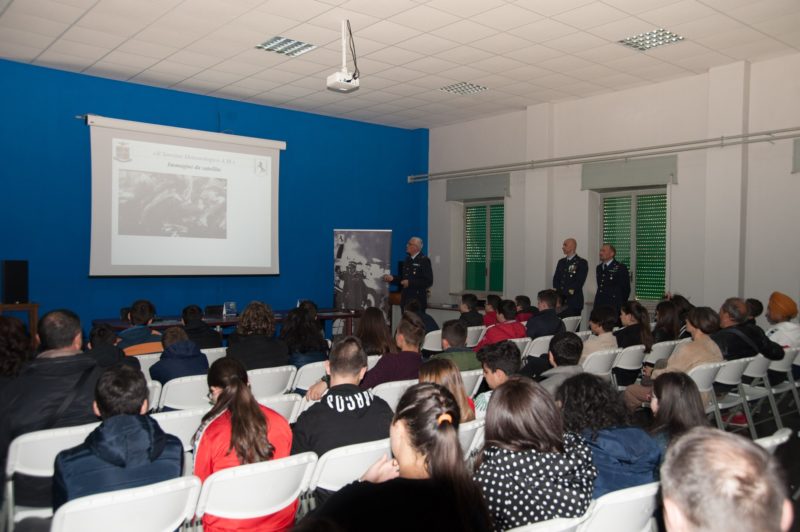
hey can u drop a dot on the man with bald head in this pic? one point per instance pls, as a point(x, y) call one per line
point(737, 338)
point(416, 276)
point(571, 272)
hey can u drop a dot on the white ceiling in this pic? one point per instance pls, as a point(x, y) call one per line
point(525, 51)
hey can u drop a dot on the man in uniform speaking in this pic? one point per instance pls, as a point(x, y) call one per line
point(416, 276)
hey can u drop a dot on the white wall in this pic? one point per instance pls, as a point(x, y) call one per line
point(730, 209)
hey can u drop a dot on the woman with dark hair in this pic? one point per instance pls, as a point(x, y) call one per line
point(684, 306)
point(668, 323)
point(530, 469)
point(677, 407)
point(15, 348)
point(635, 331)
point(375, 336)
point(254, 343)
point(303, 337)
point(238, 431)
point(701, 322)
point(444, 372)
point(425, 488)
point(624, 456)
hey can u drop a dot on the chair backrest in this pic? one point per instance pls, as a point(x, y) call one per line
point(241, 492)
point(338, 467)
point(537, 347)
point(271, 381)
point(308, 375)
point(632, 506)
point(630, 358)
point(474, 334)
point(392, 391)
point(785, 364)
point(146, 362)
point(704, 375)
point(472, 380)
point(522, 343)
point(433, 341)
point(584, 335)
point(770, 443)
point(153, 394)
point(660, 351)
point(185, 393)
point(287, 405)
point(600, 362)
point(467, 433)
point(163, 506)
point(144, 349)
point(35, 452)
point(757, 368)
point(214, 353)
point(372, 360)
point(561, 524)
point(181, 423)
point(572, 323)
point(730, 374)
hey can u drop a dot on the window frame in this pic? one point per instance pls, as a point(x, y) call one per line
point(487, 277)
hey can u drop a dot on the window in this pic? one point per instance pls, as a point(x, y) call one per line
point(635, 223)
point(484, 226)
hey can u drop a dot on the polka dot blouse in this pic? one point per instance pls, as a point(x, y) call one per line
point(530, 486)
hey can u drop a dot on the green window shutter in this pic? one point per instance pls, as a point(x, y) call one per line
point(617, 226)
point(475, 247)
point(496, 243)
point(651, 245)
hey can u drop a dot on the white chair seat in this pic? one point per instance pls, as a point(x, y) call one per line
point(146, 362)
point(572, 323)
point(660, 351)
point(630, 509)
point(392, 391)
point(339, 467)
point(185, 393)
point(522, 343)
point(287, 405)
point(538, 346)
point(214, 353)
point(475, 334)
point(433, 341)
point(600, 362)
point(265, 382)
point(308, 375)
point(472, 381)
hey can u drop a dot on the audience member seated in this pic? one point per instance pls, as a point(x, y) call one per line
point(624, 456)
point(506, 328)
point(303, 337)
point(470, 316)
point(102, 347)
point(425, 487)
point(677, 407)
point(140, 316)
point(313, 313)
point(668, 324)
point(755, 308)
point(780, 310)
point(375, 335)
point(346, 414)
point(233, 433)
point(524, 309)
point(427, 320)
point(531, 470)
point(445, 373)
point(404, 364)
point(701, 322)
point(546, 322)
point(684, 306)
point(602, 321)
point(203, 335)
point(253, 344)
point(635, 331)
point(499, 362)
point(56, 389)
point(715, 481)
point(15, 349)
point(490, 309)
point(454, 346)
point(739, 339)
point(181, 357)
point(563, 354)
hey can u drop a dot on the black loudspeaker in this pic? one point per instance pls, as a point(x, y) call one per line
point(15, 281)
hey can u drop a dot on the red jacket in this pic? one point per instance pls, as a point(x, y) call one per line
point(211, 455)
point(490, 318)
point(502, 331)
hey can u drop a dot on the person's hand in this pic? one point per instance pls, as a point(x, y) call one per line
point(388, 278)
point(382, 470)
point(647, 370)
point(316, 391)
point(404, 283)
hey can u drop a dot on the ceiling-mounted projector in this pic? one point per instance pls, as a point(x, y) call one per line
point(343, 81)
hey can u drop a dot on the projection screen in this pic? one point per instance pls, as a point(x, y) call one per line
point(174, 201)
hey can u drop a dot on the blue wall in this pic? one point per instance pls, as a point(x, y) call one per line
point(334, 174)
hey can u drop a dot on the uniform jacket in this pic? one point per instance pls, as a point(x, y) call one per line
point(613, 285)
point(180, 359)
point(419, 274)
point(546, 323)
point(123, 452)
point(568, 280)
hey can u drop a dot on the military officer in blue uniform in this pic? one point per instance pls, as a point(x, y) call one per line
point(571, 272)
point(416, 276)
point(613, 281)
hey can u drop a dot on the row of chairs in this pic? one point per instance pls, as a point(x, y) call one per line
point(604, 362)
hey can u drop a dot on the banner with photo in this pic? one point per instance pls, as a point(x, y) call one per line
point(360, 260)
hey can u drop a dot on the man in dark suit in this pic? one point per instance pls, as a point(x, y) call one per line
point(571, 272)
point(416, 276)
point(613, 281)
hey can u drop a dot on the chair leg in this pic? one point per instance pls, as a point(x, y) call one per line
point(747, 414)
point(775, 412)
point(794, 390)
point(717, 414)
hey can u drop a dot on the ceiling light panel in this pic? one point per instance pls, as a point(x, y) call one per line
point(651, 39)
point(463, 88)
point(284, 46)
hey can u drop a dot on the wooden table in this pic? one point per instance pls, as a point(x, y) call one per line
point(31, 308)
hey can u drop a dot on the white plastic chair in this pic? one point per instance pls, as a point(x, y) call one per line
point(338, 467)
point(626, 510)
point(561, 524)
point(185, 393)
point(271, 381)
point(522, 343)
point(256, 490)
point(584, 335)
point(182, 423)
point(537, 347)
point(730, 375)
point(630, 358)
point(704, 376)
point(600, 362)
point(757, 370)
point(392, 391)
point(433, 341)
point(372, 360)
point(287, 405)
point(467, 434)
point(162, 507)
point(146, 362)
point(474, 334)
point(770, 443)
point(472, 381)
point(308, 375)
point(34, 454)
point(572, 323)
point(660, 351)
point(214, 353)
point(790, 357)
point(153, 394)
